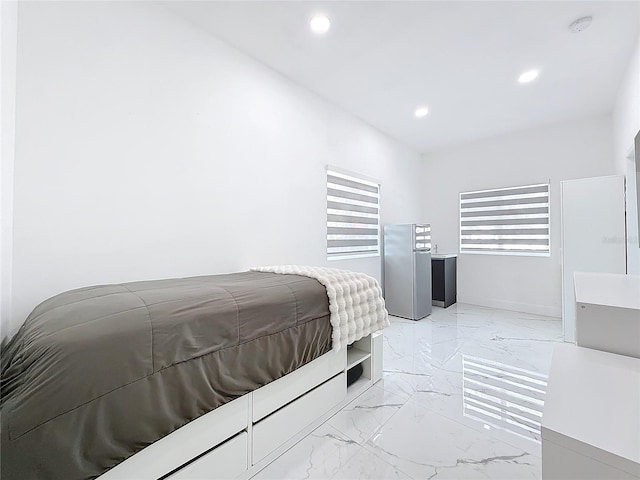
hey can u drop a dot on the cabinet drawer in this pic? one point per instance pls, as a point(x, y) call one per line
point(182, 445)
point(274, 395)
point(224, 462)
point(279, 427)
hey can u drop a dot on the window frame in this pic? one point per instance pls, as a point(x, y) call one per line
point(358, 178)
point(523, 253)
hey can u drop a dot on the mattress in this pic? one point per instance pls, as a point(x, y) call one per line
point(95, 375)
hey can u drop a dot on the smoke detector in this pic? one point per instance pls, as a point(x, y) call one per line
point(580, 24)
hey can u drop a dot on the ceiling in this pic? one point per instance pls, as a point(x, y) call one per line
point(382, 59)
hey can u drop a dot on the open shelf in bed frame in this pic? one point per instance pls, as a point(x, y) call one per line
point(240, 438)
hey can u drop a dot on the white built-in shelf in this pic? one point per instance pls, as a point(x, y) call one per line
point(356, 356)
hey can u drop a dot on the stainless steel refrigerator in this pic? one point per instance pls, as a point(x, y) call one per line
point(407, 270)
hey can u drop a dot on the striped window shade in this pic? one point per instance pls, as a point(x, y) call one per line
point(423, 237)
point(353, 216)
point(505, 221)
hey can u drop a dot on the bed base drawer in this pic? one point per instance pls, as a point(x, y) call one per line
point(225, 461)
point(276, 394)
point(181, 446)
point(276, 429)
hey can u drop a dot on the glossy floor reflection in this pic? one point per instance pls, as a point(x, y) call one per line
point(461, 397)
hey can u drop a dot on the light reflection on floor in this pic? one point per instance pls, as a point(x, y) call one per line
point(503, 396)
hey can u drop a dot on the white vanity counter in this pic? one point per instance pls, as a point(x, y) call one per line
point(591, 419)
point(608, 312)
point(611, 289)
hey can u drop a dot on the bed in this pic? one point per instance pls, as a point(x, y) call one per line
point(150, 377)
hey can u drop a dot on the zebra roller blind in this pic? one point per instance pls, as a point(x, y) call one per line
point(353, 216)
point(423, 236)
point(506, 220)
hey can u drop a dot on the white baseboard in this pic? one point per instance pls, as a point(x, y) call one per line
point(547, 310)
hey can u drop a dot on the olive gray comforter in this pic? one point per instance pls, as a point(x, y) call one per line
point(95, 375)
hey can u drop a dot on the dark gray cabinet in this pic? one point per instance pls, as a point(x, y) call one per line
point(443, 280)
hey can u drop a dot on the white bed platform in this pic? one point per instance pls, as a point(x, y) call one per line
point(240, 438)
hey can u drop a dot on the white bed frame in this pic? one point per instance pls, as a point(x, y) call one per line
point(240, 438)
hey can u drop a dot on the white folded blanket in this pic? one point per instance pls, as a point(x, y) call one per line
point(355, 300)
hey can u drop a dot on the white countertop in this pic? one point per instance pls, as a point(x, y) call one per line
point(611, 289)
point(440, 256)
point(594, 397)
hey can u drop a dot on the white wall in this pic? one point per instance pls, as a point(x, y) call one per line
point(557, 152)
point(9, 30)
point(626, 124)
point(147, 149)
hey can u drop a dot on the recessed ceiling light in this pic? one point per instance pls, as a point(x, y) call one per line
point(421, 111)
point(320, 24)
point(529, 76)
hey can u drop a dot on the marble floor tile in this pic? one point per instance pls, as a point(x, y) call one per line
point(366, 414)
point(426, 445)
point(461, 397)
point(405, 383)
point(493, 381)
point(367, 465)
point(494, 398)
point(319, 455)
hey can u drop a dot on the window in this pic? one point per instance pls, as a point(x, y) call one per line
point(353, 216)
point(423, 236)
point(506, 221)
